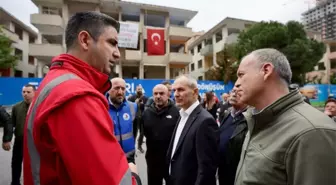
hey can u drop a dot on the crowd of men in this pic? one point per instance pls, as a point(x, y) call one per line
point(78, 128)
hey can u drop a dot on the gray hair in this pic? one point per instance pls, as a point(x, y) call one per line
point(279, 61)
point(192, 82)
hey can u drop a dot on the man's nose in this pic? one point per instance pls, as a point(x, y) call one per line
point(236, 85)
point(116, 53)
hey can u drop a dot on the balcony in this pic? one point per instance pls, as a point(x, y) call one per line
point(180, 33)
point(207, 50)
point(180, 58)
point(11, 35)
point(133, 55)
point(159, 60)
point(45, 52)
point(332, 55)
point(48, 24)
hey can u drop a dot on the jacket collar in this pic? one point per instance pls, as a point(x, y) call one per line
point(98, 80)
point(257, 120)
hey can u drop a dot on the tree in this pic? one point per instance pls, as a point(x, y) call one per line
point(291, 39)
point(227, 66)
point(7, 59)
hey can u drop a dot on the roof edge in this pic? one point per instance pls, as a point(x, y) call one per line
point(19, 22)
point(215, 29)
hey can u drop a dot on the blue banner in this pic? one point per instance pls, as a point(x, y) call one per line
point(10, 90)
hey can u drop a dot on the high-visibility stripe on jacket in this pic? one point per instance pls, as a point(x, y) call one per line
point(33, 153)
point(123, 118)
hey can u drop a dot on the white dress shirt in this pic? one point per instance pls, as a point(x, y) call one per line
point(184, 117)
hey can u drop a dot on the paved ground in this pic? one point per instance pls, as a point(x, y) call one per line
point(5, 158)
point(5, 161)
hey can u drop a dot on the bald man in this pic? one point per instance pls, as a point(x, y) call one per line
point(193, 153)
point(123, 114)
point(157, 125)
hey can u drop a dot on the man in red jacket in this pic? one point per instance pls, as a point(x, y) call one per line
point(69, 133)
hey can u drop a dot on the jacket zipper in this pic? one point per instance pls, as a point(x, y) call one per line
point(119, 128)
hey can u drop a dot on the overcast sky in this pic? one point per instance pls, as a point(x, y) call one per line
point(210, 12)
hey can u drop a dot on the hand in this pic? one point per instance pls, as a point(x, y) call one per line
point(6, 146)
point(133, 168)
point(137, 100)
point(140, 149)
point(327, 113)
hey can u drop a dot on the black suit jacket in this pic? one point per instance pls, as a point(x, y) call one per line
point(196, 155)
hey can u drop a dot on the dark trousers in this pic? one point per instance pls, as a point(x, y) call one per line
point(155, 172)
point(17, 160)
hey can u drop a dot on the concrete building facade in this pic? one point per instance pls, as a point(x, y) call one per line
point(21, 36)
point(322, 18)
point(326, 67)
point(205, 48)
point(53, 16)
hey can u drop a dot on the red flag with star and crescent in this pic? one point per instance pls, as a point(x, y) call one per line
point(155, 42)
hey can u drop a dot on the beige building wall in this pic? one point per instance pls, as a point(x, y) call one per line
point(204, 49)
point(21, 35)
point(130, 59)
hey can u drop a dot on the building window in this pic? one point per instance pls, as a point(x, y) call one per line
point(192, 67)
point(199, 47)
point(132, 18)
point(18, 53)
point(176, 22)
point(176, 48)
point(200, 64)
point(31, 75)
point(155, 20)
point(320, 66)
point(192, 51)
point(18, 32)
point(219, 36)
point(31, 40)
point(333, 48)
point(208, 41)
point(18, 73)
point(51, 10)
point(31, 60)
point(333, 63)
point(200, 78)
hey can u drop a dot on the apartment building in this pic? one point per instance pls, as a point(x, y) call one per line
point(322, 18)
point(135, 62)
point(326, 67)
point(21, 36)
point(205, 48)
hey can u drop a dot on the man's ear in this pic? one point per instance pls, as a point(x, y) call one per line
point(268, 70)
point(84, 40)
point(196, 92)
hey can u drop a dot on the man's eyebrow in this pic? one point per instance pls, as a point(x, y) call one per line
point(113, 40)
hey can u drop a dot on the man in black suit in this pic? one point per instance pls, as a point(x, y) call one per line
point(193, 152)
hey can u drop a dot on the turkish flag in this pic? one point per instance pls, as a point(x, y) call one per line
point(155, 42)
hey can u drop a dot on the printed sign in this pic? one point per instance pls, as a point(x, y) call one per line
point(128, 35)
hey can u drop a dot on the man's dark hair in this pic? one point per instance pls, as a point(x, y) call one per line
point(92, 22)
point(330, 100)
point(30, 85)
point(166, 82)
